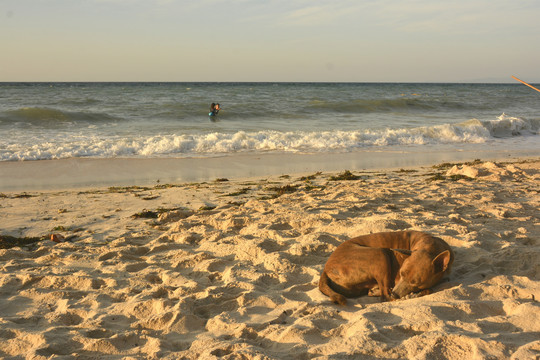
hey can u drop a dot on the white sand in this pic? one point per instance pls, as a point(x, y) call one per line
point(239, 281)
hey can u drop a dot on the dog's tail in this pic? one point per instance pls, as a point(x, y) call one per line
point(324, 286)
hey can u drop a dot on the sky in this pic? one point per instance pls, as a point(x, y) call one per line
point(270, 40)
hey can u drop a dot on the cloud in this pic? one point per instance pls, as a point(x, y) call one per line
point(463, 16)
point(319, 13)
point(313, 15)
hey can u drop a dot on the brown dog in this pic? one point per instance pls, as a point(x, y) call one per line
point(354, 270)
point(430, 259)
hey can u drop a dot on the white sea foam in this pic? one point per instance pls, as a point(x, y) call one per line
point(505, 126)
point(211, 144)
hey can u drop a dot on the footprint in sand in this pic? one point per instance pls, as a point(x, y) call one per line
point(135, 267)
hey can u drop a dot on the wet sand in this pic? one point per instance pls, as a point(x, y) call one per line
point(78, 173)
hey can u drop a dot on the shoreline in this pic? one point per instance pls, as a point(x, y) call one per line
point(230, 268)
point(81, 173)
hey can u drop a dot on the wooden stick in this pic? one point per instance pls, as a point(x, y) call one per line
point(521, 81)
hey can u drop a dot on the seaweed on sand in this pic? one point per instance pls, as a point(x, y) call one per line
point(346, 175)
point(7, 242)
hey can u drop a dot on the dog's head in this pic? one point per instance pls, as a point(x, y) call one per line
point(419, 271)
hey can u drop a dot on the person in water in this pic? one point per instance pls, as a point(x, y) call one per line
point(214, 109)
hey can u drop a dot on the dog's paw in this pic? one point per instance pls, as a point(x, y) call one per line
point(425, 292)
point(417, 294)
point(374, 291)
point(338, 299)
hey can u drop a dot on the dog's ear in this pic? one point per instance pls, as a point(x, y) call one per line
point(401, 254)
point(442, 261)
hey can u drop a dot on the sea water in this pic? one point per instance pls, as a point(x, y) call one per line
point(43, 121)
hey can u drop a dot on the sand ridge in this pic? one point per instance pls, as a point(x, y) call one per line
point(229, 269)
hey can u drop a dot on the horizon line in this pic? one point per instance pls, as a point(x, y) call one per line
point(250, 82)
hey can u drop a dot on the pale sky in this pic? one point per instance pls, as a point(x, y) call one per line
point(270, 40)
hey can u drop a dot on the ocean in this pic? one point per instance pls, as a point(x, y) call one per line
point(44, 121)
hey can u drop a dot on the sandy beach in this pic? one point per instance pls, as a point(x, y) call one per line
point(229, 268)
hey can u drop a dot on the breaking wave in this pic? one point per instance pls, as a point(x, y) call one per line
point(212, 144)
